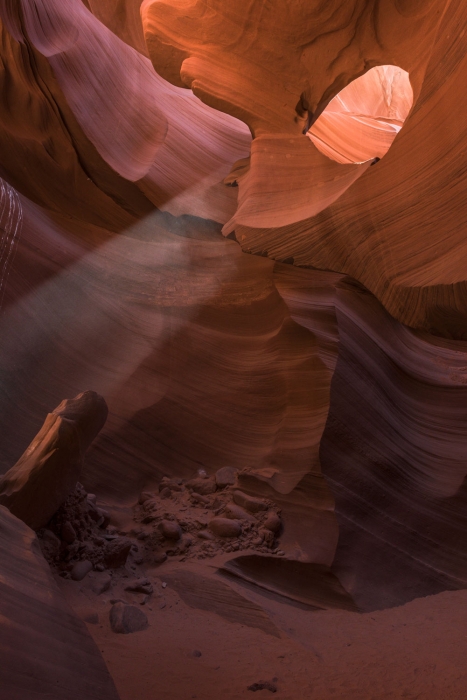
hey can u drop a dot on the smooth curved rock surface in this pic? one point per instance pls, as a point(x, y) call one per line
point(173, 359)
point(419, 279)
point(75, 62)
point(44, 646)
point(393, 453)
point(312, 52)
point(324, 223)
point(180, 158)
point(208, 356)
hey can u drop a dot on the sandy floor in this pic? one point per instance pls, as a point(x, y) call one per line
point(415, 651)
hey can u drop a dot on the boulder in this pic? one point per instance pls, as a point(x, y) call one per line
point(198, 498)
point(224, 527)
point(226, 476)
point(172, 484)
point(235, 512)
point(80, 570)
point(142, 585)
point(116, 552)
point(254, 505)
point(68, 532)
point(170, 529)
point(125, 619)
point(159, 557)
point(272, 522)
point(202, 486)
point(48, 471)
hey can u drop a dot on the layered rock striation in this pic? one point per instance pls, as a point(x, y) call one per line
point(122, 280)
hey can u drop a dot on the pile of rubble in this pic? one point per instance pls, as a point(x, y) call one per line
point(78, 538)
point(187, 519)
point(203, 517)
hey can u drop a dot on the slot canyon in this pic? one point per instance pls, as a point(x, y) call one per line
point(233, 349)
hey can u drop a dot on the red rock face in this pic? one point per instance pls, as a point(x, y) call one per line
point(393, 454)
point(45, 648)
point(127, 144)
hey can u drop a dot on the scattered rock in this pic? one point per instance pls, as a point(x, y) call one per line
point(226, 476)
point(263, 685)
point(224, 527)
point(116, 552)
point(198, 498)
point(140, 586)
point(68, 532)
point(80, 570)
point(196, 653)
point(202, 486)
point(159, 557)
point(101, 584)
point(238, 513)
point(205, 535)
point(273, 522)
point(150, 505)
point(170, 529)
point(126, 619)
point(149, 519)
point(250, 503)
point(165, 493)
point(185, 543)
point(202, 521)
point(172, 484)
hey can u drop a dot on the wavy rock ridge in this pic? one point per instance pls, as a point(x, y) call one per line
point(123, 282)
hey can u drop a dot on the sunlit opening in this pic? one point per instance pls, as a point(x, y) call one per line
point(363, 120)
